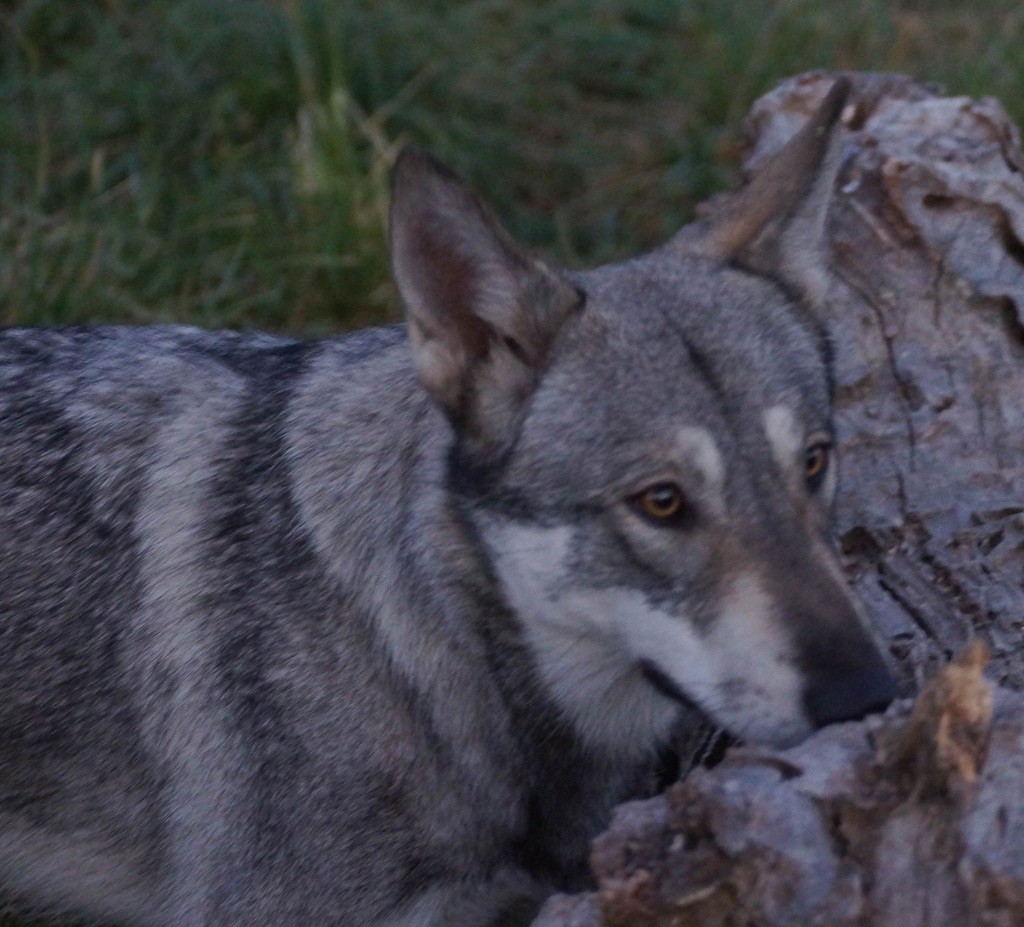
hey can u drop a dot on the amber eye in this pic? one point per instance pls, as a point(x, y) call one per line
point(662, 503)
point(816, 461)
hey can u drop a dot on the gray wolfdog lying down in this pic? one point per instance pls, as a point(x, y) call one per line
point(376, 630)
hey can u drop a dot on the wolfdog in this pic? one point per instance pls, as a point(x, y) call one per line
point(375, 630)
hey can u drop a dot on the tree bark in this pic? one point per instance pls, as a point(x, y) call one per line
point(916, 817)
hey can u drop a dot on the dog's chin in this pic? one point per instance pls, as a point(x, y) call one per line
point(775, 736)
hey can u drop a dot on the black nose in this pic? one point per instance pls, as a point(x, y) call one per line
point(849, 692)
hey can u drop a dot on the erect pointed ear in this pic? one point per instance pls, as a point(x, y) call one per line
point(482, 314)
point(775, 224)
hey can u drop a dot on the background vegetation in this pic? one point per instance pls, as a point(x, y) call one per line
point(225, 162)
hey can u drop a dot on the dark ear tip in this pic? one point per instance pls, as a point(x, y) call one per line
point(832, 105)
point(411, 161)
point(416, 165)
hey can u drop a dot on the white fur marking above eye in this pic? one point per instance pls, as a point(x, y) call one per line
point(701, 449)
point(784, 435)
point(699, 444)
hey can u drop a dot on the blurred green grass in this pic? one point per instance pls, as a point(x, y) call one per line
point(224, 162)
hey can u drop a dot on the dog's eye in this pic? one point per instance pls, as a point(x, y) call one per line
point(816, 460)
point(663, 504)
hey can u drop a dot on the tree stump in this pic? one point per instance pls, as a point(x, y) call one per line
point(916, 817)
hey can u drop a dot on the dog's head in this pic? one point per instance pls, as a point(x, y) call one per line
point(646, 450)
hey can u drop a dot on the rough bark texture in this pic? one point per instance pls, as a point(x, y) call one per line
point(918, 817)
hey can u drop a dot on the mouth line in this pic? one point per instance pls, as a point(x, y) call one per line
point(665, 686)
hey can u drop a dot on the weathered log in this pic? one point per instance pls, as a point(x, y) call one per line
point(918, 817)
point(914, 818)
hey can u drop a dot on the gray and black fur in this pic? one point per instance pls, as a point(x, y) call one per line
point(338, 632)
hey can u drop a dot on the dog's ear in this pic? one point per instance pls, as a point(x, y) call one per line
point(775, 224)
point(482, 314)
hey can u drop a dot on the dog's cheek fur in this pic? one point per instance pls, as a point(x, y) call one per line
point(589, 644)
point(577, 638)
